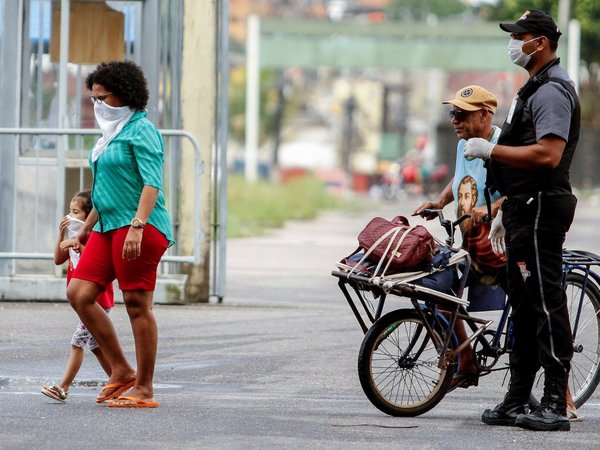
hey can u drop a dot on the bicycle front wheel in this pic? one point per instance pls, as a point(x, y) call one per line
point(585, 365)
point(398, 365)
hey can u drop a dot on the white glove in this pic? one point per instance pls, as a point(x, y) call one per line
point(478, 148)
point(496, 235)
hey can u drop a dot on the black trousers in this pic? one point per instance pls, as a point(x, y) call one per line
point(536, 226)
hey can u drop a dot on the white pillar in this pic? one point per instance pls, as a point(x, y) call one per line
point(63, 141)
point(564, 13)
point(573, 51)
point(435, 94)
point(252, 96)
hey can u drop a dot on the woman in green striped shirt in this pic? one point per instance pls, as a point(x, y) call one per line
point(128, 230)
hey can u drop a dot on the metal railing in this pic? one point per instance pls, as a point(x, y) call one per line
point(198, 169)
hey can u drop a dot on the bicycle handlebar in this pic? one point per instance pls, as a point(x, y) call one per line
point(448, 225)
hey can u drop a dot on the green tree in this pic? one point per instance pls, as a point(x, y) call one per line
point(422, 9)
point(586, 11)
point(237, 103)
point(511, 10)
point(588, 14)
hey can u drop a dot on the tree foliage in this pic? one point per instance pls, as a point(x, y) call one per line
point(511, 10)
point(586, 11)
point(588, 14)
point(423, 9)
point(237, 103)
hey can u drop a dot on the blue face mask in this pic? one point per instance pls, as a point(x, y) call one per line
point(516, 53)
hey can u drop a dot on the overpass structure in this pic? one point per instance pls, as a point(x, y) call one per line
point(449, 46)
point(405, 46)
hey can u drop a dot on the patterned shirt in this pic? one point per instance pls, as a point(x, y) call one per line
point(132, 160)
point(468, 190)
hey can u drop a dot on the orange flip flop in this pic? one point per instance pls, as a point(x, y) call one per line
point(119, 388)
point(127, 401)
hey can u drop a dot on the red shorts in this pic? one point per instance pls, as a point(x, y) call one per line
point(102, 261)
point(105, 299)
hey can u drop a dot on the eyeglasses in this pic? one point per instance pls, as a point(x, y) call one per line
point(458, 114)
point(100, 98)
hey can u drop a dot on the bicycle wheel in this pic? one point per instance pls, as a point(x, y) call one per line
point(398, 365)
point(585, 365)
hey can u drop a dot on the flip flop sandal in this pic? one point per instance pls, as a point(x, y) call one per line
point(127, 401)
point(55, 392)
point(573, 416)
point(118, 389)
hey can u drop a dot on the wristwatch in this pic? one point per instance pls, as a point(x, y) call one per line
point(137, 223)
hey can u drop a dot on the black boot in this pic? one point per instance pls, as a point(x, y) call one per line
point(516, 401)
point(506, 412)
point(551, 415)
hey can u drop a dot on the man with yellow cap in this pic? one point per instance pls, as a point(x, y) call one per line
point(473, 109)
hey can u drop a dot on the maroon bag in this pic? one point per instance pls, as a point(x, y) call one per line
point(396, 244)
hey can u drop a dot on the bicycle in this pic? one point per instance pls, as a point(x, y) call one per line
point(409, 356)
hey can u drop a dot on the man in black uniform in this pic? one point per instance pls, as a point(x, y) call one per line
point(530, 166)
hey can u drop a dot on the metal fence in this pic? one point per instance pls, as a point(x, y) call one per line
point(43, 159)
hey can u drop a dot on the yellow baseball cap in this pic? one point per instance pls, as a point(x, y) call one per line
point(474, 98)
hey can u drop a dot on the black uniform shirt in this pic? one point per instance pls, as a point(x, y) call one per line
point(549, 111)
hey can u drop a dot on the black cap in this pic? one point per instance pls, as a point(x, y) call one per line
point(536, 22)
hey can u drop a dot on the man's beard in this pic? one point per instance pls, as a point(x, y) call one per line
point(466, 225)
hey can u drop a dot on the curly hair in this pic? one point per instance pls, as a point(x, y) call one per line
point(125, 79)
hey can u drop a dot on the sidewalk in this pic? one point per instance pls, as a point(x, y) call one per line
point(273, 366)
point(295, 262)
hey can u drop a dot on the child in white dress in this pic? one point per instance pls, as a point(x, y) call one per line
point(70, 249)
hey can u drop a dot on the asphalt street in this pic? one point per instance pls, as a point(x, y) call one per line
point(273, 366)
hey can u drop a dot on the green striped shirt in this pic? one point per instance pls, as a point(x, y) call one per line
point(132, 160)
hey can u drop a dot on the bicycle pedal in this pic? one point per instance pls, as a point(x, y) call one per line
point(464, 381)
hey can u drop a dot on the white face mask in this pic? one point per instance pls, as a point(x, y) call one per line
point(111, 121)
point(516, 54)
point(105, 114)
